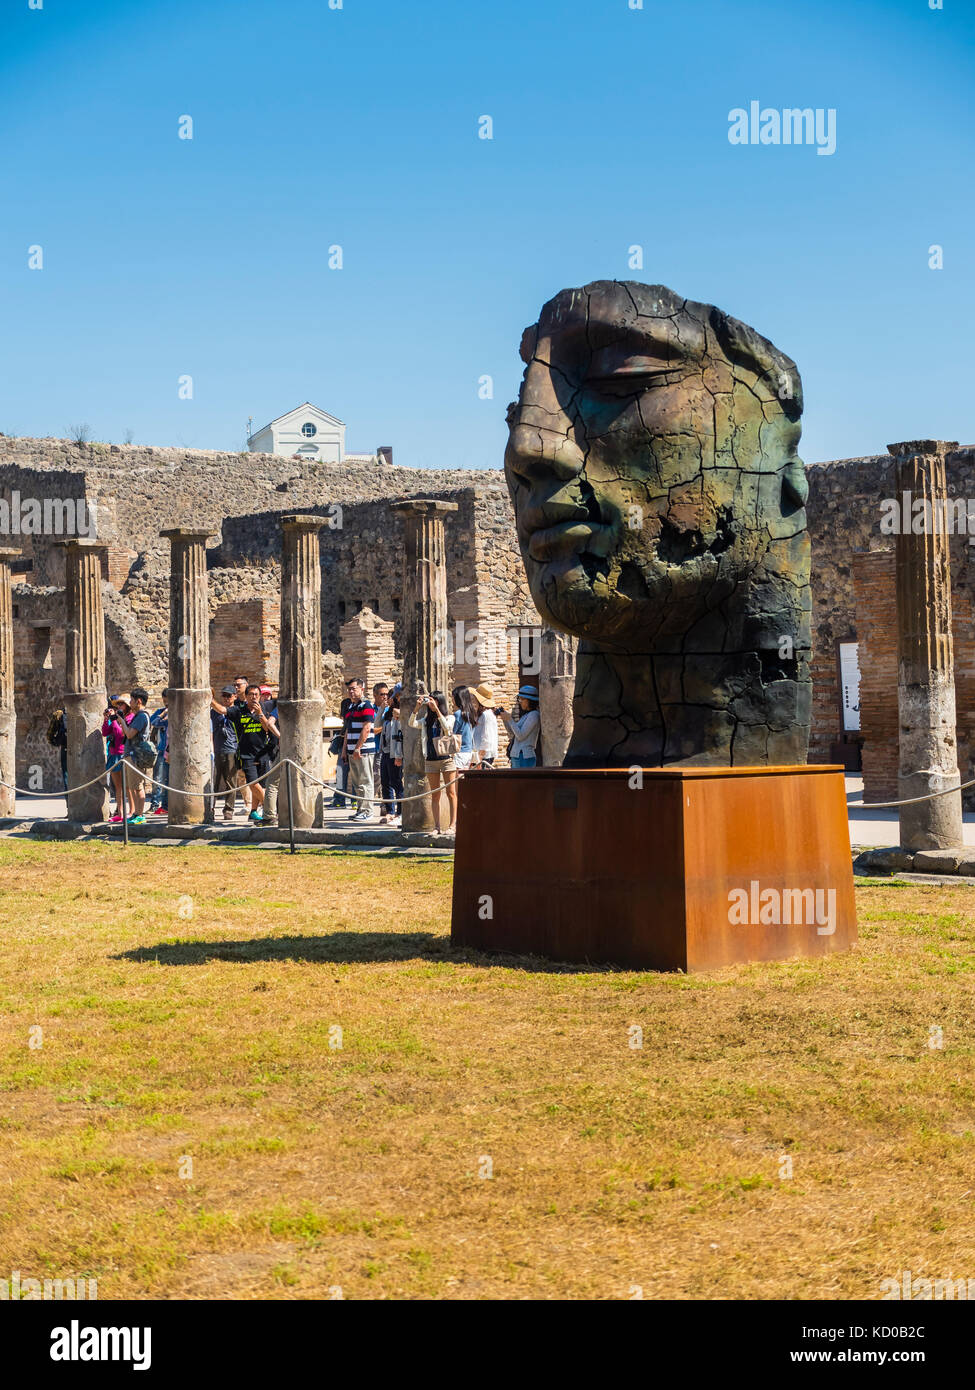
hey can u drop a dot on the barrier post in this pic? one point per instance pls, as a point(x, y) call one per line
point(291, 808)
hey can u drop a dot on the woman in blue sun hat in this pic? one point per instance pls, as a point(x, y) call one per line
point(524, 725)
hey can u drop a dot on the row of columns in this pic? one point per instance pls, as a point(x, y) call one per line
point(300, 701)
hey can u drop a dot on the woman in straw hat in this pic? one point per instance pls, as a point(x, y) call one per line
point(486, 728)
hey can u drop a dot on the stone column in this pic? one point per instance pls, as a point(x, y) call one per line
point(190, 743)
point(925, 676)
point(425, 660)
point(300, 702)
point(556, 688)
point(8, 719)
point(85, 694)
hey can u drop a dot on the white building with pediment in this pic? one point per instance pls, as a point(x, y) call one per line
point(310, 433)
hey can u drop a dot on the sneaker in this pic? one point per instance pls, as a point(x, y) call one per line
point(161, 811)
point(116, 820)
point(269, 820)
point(256, 815)
point(362, 815)
point(137, 820)
point(228, 817)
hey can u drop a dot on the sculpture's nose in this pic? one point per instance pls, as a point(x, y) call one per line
point(538, 453)
point(541, 442)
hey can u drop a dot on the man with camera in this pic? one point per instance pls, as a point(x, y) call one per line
point(256, 732)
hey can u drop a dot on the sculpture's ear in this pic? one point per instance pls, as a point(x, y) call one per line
point(746, 348)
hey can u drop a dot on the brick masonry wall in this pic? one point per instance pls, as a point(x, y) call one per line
point(876, 607)
point(245, 639)
point(368, 651)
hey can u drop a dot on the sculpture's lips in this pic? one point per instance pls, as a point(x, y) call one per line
point(537, 515)
point(568, 538)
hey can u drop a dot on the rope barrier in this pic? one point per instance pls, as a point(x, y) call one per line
point(459, 775)
point(908, 800)
point(238, 786)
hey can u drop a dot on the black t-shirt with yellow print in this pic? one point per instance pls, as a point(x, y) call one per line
point(252, 740)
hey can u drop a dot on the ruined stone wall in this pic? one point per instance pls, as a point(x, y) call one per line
point(362, 564)
point(39, 626)
point(876, 606)
point(137, 491)
point(19, 486)
point(844, 515)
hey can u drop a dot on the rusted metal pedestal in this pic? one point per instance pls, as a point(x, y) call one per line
point(696, 869)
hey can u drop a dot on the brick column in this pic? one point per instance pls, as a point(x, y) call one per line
point(300, 702)
point(190, 743)
point(8, 718)
point(556, 687)
point(425, 664)
point(85, 697)
point(925, 676)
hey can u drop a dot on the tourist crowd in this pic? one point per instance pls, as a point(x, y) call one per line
point(457, 738)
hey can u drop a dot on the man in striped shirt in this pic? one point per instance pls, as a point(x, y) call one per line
point(360, 745)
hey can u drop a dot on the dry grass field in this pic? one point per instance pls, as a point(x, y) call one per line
point(363, 1167)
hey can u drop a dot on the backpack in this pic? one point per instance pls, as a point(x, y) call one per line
point(143, 755)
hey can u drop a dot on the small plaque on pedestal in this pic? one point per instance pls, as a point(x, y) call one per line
point(697, 868)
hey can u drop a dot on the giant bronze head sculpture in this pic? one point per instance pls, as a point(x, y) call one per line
point(660, 501)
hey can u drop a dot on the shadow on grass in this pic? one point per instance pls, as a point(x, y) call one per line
point(346, 947)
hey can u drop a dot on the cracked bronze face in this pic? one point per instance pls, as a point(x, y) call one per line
point(659, 500)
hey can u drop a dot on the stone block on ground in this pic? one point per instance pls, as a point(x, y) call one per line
point(884, 859)
point(937, 861)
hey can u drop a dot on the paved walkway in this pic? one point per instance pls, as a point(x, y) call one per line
point(878, 829)
point(54, 808)
point(868, 829)
point(338, 829)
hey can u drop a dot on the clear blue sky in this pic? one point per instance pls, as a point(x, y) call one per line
point(358, 126)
